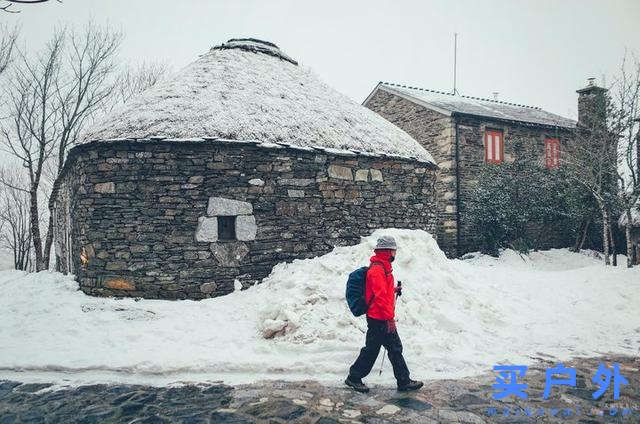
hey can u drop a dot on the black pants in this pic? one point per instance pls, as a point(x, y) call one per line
point(377, 336)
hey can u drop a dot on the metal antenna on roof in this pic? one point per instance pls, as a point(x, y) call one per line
point(455, 61)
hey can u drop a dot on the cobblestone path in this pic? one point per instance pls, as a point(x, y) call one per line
point(440, 401)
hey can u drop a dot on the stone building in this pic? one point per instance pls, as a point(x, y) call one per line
point(243, 160)
point(466, 133)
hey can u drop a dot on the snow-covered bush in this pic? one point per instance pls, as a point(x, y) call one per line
point(523, 205)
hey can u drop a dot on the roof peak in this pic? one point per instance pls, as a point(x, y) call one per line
point(254, 40)
point(460, 95)
point(255, 45)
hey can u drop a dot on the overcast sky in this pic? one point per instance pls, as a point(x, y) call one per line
point(531, 52)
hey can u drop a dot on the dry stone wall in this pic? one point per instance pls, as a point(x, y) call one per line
point(434, 131)
point(140, 218)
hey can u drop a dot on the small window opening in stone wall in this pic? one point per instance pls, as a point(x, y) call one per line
point(227, 220)
point(226, 228)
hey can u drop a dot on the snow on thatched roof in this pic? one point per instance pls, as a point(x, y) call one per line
point(449, 103)
point(635, 217)
point(248, 89)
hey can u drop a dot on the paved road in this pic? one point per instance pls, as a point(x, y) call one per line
point(440, 401)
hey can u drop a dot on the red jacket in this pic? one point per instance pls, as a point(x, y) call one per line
point(380, 292)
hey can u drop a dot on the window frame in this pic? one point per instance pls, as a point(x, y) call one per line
point(494, 133)
point(552, 152)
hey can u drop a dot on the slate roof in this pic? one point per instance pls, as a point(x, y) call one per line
point(448, 104)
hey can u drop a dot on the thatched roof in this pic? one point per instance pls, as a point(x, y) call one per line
point(248, 89)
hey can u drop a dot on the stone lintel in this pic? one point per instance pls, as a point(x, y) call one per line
point(219, 206)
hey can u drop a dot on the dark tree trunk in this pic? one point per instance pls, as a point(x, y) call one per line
point(614, 259)
point(35, 227)
point(605, 234)
point(627, 233)
point(582, 235)
point(52, 206)
point(49, 240)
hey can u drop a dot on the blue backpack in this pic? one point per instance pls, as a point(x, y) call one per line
point(356, 289)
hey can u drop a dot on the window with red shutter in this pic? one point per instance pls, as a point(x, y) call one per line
point(493, 146)
point(552, 152)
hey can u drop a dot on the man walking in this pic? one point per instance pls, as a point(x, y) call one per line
point(380, 295)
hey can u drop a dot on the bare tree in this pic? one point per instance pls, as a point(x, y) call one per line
point(51, 98)
point(591, 159)
point(33, 127)
point(8, 37)
point(627, 101)
point(15, 222)
point(604, 154)
point(134, 80)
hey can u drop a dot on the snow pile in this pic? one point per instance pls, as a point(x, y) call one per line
point(237, 94)
point(308, 296)
point(455, 318)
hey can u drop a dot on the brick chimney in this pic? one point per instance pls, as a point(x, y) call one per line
point(591, 104)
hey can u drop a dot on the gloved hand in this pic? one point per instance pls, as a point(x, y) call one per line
point(391, 326)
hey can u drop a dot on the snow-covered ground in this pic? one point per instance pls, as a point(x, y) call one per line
point(455, 318)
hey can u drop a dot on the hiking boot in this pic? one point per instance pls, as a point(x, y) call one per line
point(405, 386)
point(357, 384)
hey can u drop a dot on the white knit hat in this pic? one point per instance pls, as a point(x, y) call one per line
point(386, 242)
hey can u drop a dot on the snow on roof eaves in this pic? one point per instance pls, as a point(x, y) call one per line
point(448, 104)
point(247, 92)
point(264, 145)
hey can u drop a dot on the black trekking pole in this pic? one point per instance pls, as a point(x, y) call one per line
point(398, 293)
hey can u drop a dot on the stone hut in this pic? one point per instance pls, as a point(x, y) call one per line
point(241, 161)
point(466, 133)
